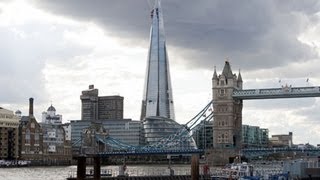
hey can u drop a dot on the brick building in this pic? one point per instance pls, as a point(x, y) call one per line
point(31, 138)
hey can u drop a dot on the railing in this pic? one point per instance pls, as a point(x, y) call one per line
point(283, 92)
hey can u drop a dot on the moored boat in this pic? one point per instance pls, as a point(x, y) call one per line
point(14, 163)
point(236, 171)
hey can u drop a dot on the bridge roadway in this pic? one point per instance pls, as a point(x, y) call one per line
point(273, 93)
point(144, 152)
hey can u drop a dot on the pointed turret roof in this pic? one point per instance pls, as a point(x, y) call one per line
point(215, 76)
point(227, 72)
point(239, 77)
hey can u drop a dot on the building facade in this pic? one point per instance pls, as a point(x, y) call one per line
point(254, 137)
point(95, 107)
point(227, 111)
point(281, 140)
point(9, 135)
point(56, 146)
point(227, 115)
point(110, 107)
point(157, 97)
point(125, 130)
point(203, 135)
point(31, 138)
point(56, 149)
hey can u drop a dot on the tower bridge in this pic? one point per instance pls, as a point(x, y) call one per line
point(227, 101)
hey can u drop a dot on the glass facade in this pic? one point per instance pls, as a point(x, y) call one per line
point(254, 136)
point(157, 97)
point(164, 132)
point(126, 131)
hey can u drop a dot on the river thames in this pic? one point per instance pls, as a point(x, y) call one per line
point(62, 172)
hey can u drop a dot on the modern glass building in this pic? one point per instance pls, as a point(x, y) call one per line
point(126, 131)
point(203, 135)
point(254, 136)
point(157, 96)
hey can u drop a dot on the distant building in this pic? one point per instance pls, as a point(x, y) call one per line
point(281, 140)
point(94, 107)
point(254, 136)
point(18, 113)
point(50, 117)
point(9, 134)
point(125, 130)
point(203, 135)
point(56, 149)
point(31, 138)
point(67, 130)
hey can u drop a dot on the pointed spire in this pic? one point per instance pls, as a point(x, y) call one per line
point(227, 70)
point(239, 77)
point(215, 76)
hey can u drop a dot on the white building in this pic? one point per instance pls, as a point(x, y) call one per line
point(67, 129)
point(50, 117)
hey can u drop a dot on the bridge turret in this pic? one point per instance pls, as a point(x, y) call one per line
point(215, 77)
point(240, 82)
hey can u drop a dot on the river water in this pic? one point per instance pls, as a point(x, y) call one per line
point(62, 172)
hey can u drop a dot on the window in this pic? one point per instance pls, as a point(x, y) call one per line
point(222, 92)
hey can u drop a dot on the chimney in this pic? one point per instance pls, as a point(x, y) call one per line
point(31, 107)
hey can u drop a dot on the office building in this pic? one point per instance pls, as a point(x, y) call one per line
point(9, 135)
point(203, 135)
point(95, 107)
point(157, 97)
point(281, 140)
point(125, 130)
point(254, 137)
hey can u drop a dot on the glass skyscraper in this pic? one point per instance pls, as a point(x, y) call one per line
point(157, 98)
point(157, 112)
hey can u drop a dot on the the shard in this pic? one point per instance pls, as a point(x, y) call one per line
point(157, 98)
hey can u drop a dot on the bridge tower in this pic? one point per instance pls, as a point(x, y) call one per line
point(227, 115)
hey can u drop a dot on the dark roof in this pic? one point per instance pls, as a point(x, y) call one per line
point(51, 108)
point(227, 72)
point(25, 118)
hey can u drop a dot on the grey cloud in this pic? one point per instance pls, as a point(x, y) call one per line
point(255, 34)
point(24, 51)
point(311, 113)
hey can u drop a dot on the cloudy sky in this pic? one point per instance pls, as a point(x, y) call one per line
point(52, 50)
